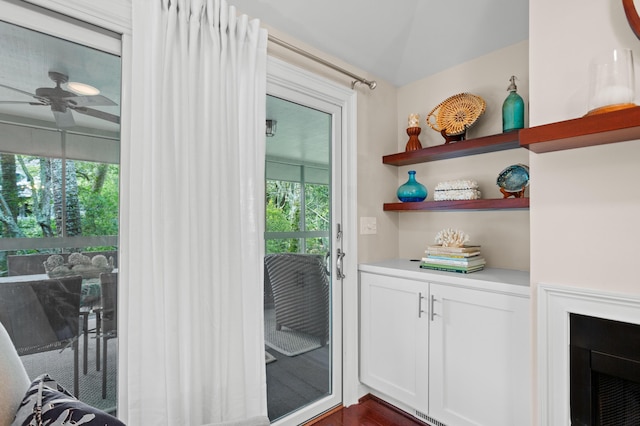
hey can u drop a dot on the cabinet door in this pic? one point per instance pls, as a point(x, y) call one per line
point(394, 338)
point(479, 357)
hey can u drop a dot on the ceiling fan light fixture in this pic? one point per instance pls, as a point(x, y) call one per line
point(82, 89)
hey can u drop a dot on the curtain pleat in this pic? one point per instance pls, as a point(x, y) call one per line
point(192, 333)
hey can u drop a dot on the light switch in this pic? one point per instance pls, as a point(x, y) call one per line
point(368, 225)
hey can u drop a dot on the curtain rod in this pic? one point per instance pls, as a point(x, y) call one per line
point(357, 79)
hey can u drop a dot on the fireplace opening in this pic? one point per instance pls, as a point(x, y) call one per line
point(617, 401)
point(604, 372)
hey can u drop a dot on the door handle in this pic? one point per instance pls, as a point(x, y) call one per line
point(433, 301)
point(420, 311)
point(339, 255)
point(327, 265)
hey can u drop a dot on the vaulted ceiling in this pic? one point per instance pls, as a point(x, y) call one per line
point(400, 41)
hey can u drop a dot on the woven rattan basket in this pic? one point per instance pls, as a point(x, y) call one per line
point(456, 114)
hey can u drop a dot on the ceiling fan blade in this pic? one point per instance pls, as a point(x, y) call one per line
point(64, 120)
point(17, 90)
point(98, 114)
point(83, 101)
point(21, 102)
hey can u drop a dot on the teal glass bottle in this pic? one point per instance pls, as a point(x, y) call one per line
point(512, 109)
point(412, 190)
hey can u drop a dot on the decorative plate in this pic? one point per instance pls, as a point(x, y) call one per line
point(456, 114)
point(514, 178)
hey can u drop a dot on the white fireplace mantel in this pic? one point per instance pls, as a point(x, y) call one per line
point(555, 303)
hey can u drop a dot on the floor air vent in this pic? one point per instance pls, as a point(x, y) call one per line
point(431, 421)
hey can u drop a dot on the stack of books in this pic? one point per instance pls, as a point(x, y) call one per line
point(464, 259)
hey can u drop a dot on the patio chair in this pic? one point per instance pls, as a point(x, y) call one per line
point(300, 292)
point(108, 318)
point(42, 316)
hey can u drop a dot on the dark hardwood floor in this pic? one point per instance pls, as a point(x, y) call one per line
point(370, 411)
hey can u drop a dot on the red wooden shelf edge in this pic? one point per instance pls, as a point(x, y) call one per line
point(483, 204)
point(597, 129)
point(481, 145)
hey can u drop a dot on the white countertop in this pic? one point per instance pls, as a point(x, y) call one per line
point(494, 279)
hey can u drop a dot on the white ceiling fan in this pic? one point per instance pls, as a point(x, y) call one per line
point(62, 102)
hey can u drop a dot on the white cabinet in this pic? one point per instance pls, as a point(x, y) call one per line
point(394, 338)
point(479, 357)
point(455, 348)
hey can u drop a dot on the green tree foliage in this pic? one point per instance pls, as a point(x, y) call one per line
point(283, 214)
point(10, 192)
point(98, 194)
point(282, 211)
point(317, 213)
point(317, 216)
point(39, 180)
point(32, 203)
point(71, 212)
point(277, 221)
point(91, 199)
point(284, 196)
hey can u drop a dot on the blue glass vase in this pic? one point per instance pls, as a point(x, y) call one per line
point(513, 109)
point(412, 190)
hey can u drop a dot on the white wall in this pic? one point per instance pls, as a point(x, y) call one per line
point(376, 137)
point(584, 204)
point(583, 198)
point(504, 235)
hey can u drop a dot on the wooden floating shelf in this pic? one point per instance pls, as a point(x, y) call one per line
point(480, 145)
point(489, 204)
point(592, 130)
point(598, 129)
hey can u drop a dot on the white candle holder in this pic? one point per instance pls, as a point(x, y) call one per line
point(611, 81)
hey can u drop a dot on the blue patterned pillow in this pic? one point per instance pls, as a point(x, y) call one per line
point(48, 403)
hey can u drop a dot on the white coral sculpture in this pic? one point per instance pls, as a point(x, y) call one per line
point(451, 238)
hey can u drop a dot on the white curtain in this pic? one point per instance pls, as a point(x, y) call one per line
point(191, 325)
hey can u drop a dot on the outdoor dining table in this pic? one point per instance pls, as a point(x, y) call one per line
point(89, 303)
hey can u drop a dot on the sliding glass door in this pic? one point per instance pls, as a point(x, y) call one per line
point(59, 195)
point(302, 286)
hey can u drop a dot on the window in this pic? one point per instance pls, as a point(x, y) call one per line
point(294, 226)
point(40, 214)
point(36, 205)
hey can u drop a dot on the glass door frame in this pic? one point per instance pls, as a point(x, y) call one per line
point(294, 84)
